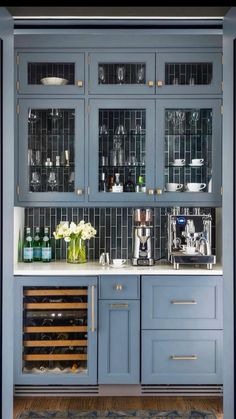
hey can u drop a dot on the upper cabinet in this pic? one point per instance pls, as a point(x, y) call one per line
point(122, 73)
point(50, 73)
point(189, 73)
point(160, 73)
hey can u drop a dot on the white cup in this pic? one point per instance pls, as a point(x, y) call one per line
point(195, 187)
point(197, 161)
point(190, 250)
point(173, 187)
point(118, 262)
point(179, 162)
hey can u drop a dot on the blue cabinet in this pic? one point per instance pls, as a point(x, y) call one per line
point(195, 73)
point(51, 150)
point(182, 321)
point(119, 342)
point(55, 330)
point(50, 73)
point(182, 357)
point(122, 73)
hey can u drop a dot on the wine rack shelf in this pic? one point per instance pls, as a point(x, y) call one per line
point(52, 306)
point(33, 343)
point(57, 329)
point(56, 357)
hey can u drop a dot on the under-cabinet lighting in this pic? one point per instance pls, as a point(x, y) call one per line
point(122, 17)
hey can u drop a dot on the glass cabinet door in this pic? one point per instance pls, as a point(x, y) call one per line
point(122, 143)
point(195, 73)
point(50, 73)
point(58, 333)
point(51, 150)
point(190, 134)
point(122, 73)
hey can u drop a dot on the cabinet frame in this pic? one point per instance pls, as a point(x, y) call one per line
point(47, 378)
point(79, 168)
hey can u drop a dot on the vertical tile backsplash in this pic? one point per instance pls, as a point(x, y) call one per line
point(114, 229)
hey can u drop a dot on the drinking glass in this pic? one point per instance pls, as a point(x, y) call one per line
point(52, 181)
point(103, 129)
point(120, 74)
point(140, 75)
point(38, 157)
point(32, 117)
point(101, 74)
point(194, 117)
point(31, 161)
point(138, 129)
point(35, 180)
point(120, 130)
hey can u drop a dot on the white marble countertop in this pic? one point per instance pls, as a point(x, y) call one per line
point(93, 268)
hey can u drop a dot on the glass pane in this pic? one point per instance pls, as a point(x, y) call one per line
point(55, 330)
point(51, 136)
point(121, 73)
point(51, 73)
point(188, 73)
point(122, 150)
point(188, 150)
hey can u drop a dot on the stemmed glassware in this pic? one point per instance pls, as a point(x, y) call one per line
point(120, 73)
point(35, 181)
point(101, 74)
point(52, 181)
point(140, 75)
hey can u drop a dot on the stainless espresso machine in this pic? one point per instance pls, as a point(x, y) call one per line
point(189, 239)
point(142, 245)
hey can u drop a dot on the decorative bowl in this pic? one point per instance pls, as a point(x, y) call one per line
point(53, 81)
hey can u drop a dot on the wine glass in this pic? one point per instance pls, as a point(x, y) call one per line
point(101, 74)
point(120, 73)
point(140, 75)
point(35, 180)
point(52, 181)
point(32, 116)
point(194, 117)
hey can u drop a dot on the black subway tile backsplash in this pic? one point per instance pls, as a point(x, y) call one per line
point(114, 229)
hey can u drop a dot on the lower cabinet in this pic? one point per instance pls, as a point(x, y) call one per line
point(55, 330)
point(181, 357)
point(119, 342)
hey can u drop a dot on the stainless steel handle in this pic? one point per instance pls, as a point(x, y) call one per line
point(150, 191)
point(79, 191)
point(150, 83)
point(80, 83)
point(118, 287)
point(119, 305)
point(183, 302)
point(92, 309)
point(184, 357)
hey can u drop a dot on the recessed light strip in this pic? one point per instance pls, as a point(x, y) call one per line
point(121, 17)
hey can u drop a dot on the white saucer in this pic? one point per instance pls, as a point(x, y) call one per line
point(196, 165)
point(117, 266)
point(177, 165)
point(190, 254)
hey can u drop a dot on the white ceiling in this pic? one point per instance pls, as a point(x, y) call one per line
point(118, 12)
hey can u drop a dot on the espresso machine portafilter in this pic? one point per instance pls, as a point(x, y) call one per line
point(142, 245)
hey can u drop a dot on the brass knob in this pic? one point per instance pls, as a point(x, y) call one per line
point(159, 191)
point(150, 83)
point(118, 287)
point(150, 191)
point(160, 83)
point(79, 192)
point(80, 83)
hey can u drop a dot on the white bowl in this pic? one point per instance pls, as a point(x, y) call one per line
point(53, 81)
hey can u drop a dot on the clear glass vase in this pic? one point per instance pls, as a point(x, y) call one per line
point(76, 251)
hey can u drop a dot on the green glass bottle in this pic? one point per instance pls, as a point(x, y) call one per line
point(46, 247)
point(28, 247)
point(37, 245)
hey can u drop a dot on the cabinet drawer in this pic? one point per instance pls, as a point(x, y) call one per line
point(119, 287)
point(182, 357)
point(188, 302)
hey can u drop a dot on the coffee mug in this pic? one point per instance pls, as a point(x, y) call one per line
point(190, 250)
point(195, 187)
point(118, 262)
point(179, 162)
point(173, 187)
point(197, 161)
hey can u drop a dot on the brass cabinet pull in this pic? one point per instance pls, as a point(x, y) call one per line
point(150, 191)
point(118, 287)
point(183, 302)
point(92, 309)
point(150, 83)
point(79, 191)
point(80, 83)
point(119, 305)
point(184, 357)
point(159, 191)
point(160, 83)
